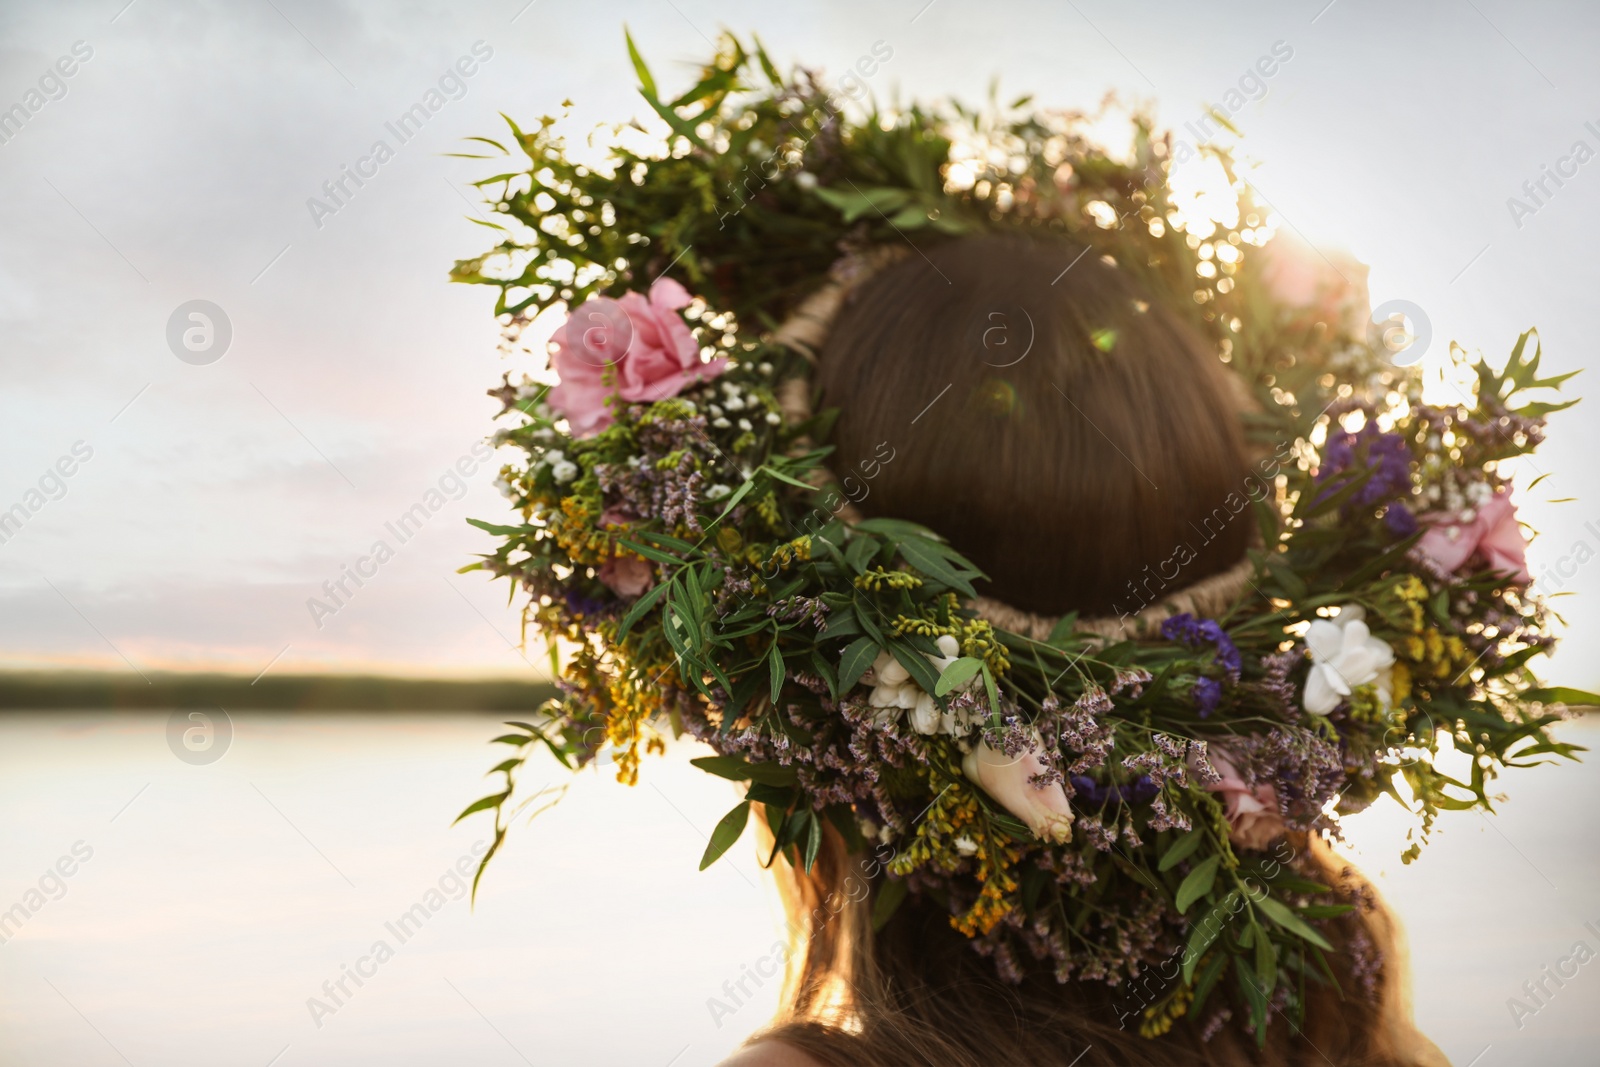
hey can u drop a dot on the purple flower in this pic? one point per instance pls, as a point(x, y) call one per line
point(1139, 791)
point(1399, 520)
point(1384, 459)
point(1207, 695)
point(1188, 630)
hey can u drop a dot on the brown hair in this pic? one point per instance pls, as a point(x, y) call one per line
point(915, 992)
point(1066, 431)
point(1048, 416)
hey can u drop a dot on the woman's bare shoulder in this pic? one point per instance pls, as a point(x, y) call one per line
point(769, 1054)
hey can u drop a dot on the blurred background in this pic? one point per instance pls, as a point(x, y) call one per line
point(166, 158)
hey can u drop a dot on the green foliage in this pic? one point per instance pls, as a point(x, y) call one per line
point(765, 612)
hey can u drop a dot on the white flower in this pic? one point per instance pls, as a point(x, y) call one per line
point(893, 691)
point(718, 491)
point(504, 487)
point(806, 180)
point(734, 402)
point(1345, 655)
point(965, 845)
point(563, 471)
point(773, 418)
point(529, 390)
point(744, 424)
point(721, 423)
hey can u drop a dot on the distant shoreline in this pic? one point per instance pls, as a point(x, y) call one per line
point(43, 690)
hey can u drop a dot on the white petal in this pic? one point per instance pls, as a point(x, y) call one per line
point(1325, 640)
point(1382, 654)
point(948, 646)
point(1355, 667)
point(884, 696)
point(906, 696)
point(925, 716)
point(1319, 696)
point(890, 672)
point(1355, 635)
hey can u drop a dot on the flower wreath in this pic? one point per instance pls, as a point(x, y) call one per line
point(1095, 796)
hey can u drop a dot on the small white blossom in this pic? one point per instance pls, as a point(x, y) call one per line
point(1344, 656)
point(734, 402)
point(564, 471)
point(721, 423)
point(773, 418)
point(894, 691)
point(744, 424)
point(718, 491)
point(504, 488)
point(806, 180)
point(764, 367)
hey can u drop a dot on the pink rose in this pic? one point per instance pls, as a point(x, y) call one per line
point(627, 576)
point(1253, 819)
point(1492, 534)
point(1331, 286)
point(1006, 779)
point(641, 344)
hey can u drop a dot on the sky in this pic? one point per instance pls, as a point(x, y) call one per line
point(214, 490)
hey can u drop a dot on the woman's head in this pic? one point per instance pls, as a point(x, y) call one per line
point(1076, 439)
point(1068, 432)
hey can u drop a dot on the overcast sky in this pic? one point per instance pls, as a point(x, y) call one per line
point(175, 164)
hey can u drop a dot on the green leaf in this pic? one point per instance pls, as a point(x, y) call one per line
point(1207, 982)
point(840, 624)
point(1287, 919)
point(650, 553)
point(647, 84)
point(891, 891)
point(1266, 958)
point(728, 831)
point(775, 668)
point(958, 674)
point(813, 840)
point(493, 800)
point(856, 202)
point(640, 606)
point(1181, 849)
point(771, 795)
point(916, 664)
point(1062, 631)
point(1204, 932)
point(859, 553)
point(858, 656)
point(512, 739)
point(1198, 882)
point(921, 555)
point(1256, 997)
point(910, 217)
point(896, 530)
point(501, 531)
point(1560, 694)
point(736, 769)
